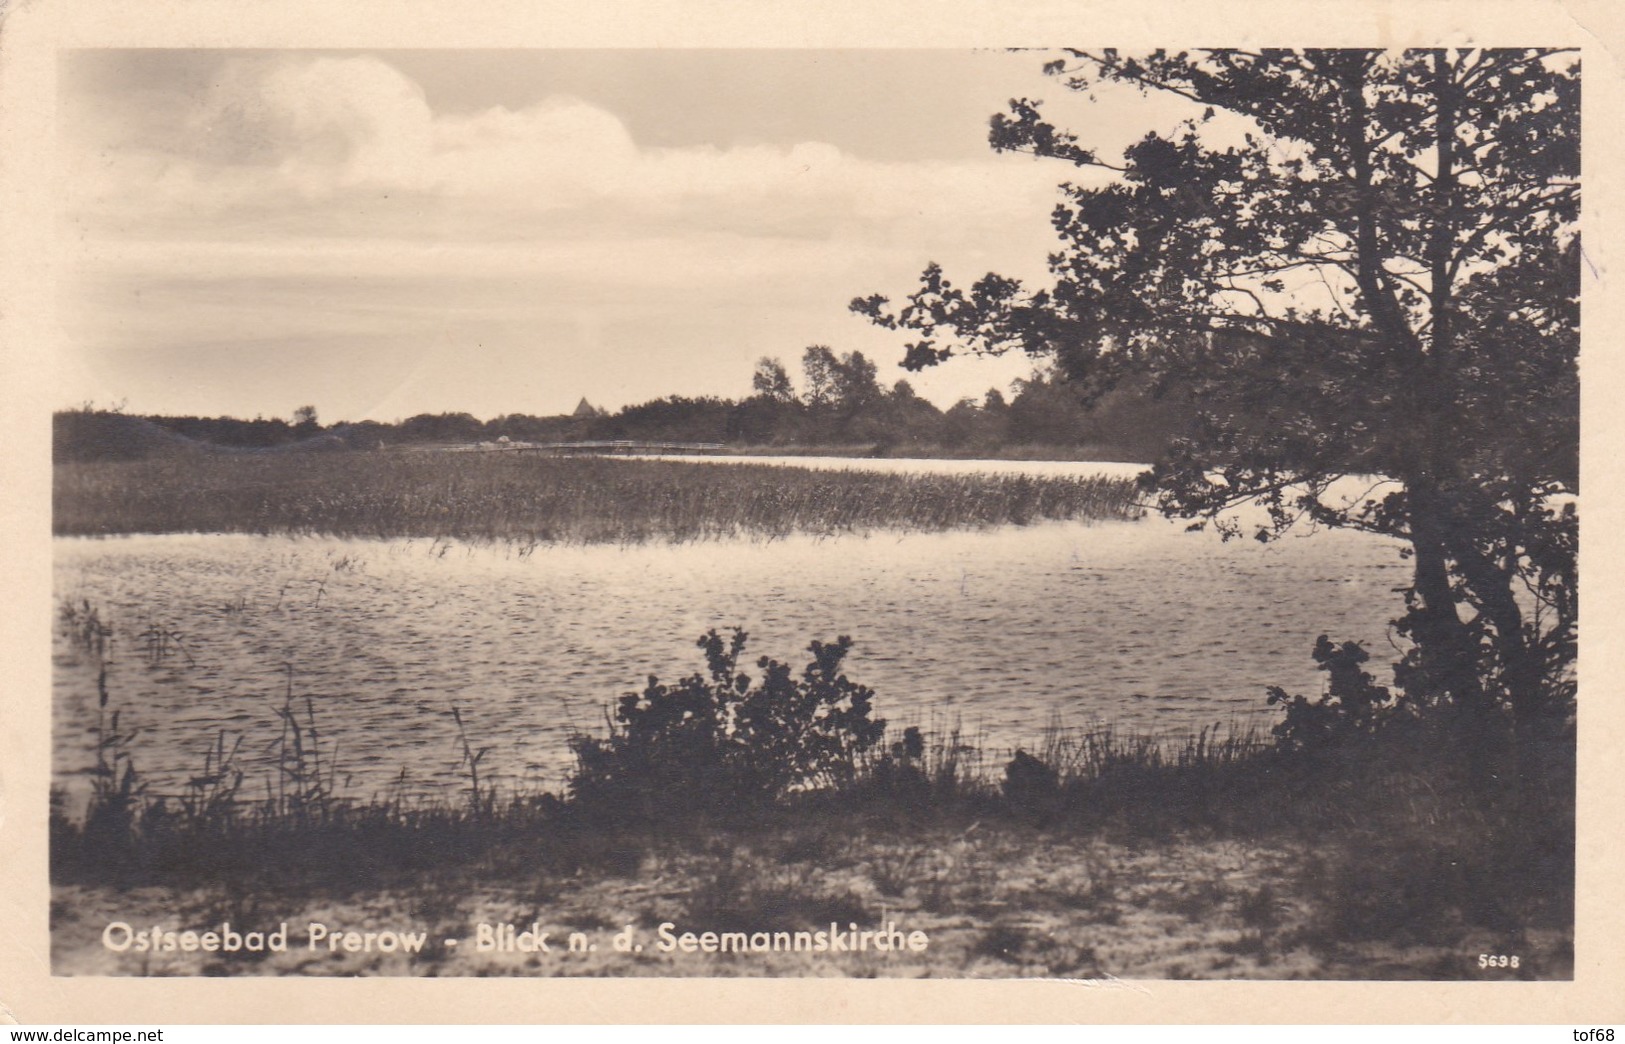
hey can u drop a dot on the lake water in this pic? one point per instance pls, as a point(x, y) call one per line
point(1137, 624)
point(898, 465)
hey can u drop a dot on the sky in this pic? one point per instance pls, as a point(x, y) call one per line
point(382, 234)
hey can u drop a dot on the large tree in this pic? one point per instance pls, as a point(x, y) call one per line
point(856, 382)
point(1357, 263)
point(772, 381)
point(818, 365)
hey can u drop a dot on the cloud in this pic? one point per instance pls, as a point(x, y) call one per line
point(295, 226)
point(322, 123)
point(348, 146)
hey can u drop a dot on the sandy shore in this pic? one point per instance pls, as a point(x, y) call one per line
point(1001, 902)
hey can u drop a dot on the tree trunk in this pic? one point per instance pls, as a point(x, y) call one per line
point(1447, 648)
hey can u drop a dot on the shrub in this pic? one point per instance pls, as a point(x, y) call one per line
point(1353, 704)
point(902, 766)
point(1030, 785)
point(722, 741)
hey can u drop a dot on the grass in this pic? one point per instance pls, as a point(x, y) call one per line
point(533, 500)
point(301, 830)
point(1397, 842)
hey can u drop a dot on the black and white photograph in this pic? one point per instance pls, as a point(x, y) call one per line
point(1069, 512)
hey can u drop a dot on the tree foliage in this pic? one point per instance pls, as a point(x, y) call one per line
point(856, 382)
point(818, 365)
point(1356, 263)
point(772, 380)
point(855, 412)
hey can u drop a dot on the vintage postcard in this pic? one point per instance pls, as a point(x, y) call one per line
point(605, 499)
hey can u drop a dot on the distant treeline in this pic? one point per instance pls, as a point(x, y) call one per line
point(840, 404)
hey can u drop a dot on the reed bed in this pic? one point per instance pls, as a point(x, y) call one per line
point(533, 500)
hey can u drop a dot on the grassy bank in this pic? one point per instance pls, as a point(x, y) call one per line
point(1086, 854)
point(533, 499)
point(1251, 869)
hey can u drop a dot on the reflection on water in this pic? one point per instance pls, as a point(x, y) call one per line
point(1139, 624)
point(934, 466)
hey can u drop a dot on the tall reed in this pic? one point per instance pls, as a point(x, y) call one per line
point(306, 783)
point(531, 500)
